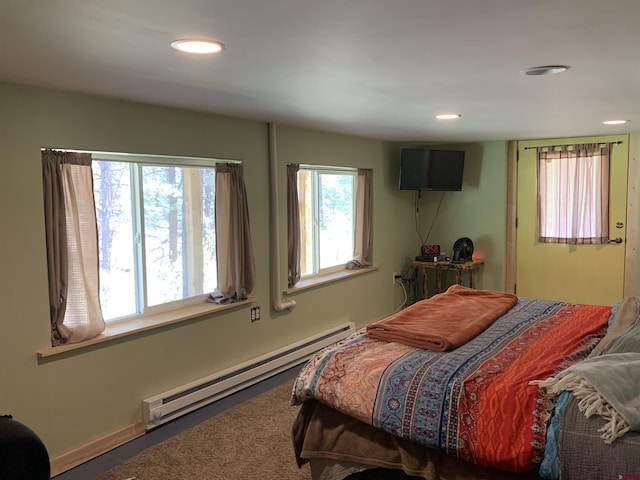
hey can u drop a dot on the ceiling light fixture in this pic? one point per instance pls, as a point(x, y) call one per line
point(545, 70)
point(448, 116)
point(615, 122)
point(201, 47)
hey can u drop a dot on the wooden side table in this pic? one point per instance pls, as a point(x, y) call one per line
point(442, 268)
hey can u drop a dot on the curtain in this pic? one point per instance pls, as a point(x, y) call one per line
point(236, 265)
point(573, 194)
point(72, 247)
point(293, 225)
point(363, 254)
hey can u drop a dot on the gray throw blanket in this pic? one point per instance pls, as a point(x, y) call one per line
point(608, 384)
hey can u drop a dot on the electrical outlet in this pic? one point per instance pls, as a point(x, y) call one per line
point(396, 276)
point(255, 314)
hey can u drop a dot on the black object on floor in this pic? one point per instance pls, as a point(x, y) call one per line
point(381, 474)
point(23, 456)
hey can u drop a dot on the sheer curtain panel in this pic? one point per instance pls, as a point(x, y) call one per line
point(72, 247)
point(234, 250)
point(573, 194)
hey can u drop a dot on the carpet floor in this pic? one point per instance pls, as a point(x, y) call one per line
point(249, 441)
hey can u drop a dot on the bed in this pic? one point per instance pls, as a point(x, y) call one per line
point(489, 398)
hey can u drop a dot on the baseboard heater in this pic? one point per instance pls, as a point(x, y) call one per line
point(174, 403)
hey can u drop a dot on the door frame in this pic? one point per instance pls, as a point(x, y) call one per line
point(633, 172)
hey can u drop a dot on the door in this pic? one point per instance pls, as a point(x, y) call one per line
point(574, 273)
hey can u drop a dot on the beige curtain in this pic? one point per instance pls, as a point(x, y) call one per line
point(72, 247)
point(573, 194)
point(293, 225)
point(363, 254)
point(236, 265)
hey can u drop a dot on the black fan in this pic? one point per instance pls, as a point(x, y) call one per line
point(462, 250)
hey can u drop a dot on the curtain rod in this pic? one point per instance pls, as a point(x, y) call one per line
point(124, 156)
point(617, 142)
point(305, 166)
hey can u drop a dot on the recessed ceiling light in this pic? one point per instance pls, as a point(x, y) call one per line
point(448, 116)
point(201, 47)
point(615, 122)
point(545, 70)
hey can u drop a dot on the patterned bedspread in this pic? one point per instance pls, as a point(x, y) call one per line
point(474, 402)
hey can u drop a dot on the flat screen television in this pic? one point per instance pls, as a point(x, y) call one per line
point(434, 170)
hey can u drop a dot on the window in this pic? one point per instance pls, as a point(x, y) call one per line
point(130, 235)
point(573, 194)
point(326, 197)
point(156, 232)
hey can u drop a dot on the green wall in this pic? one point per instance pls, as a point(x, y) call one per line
point(74, 398)
point(477, 212)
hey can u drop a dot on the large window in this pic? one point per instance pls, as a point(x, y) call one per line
point(326, 199)
point(133, 235)
point(156, 232)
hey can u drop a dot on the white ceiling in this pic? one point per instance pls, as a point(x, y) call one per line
point(376, 68)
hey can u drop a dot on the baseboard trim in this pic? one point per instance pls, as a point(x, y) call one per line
point(78, 456)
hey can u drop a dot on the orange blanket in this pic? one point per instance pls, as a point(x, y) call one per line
point(445, 321)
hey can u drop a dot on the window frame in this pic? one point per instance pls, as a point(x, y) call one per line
point(145, 310)
point(316, 171)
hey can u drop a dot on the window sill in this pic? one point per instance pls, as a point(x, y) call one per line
point(144, 324)
point(320, 280)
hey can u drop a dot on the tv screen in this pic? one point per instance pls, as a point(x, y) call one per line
point(435, 170)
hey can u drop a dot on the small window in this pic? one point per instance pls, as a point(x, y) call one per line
point(573, 194)
point(326, 198)
point(156, 233)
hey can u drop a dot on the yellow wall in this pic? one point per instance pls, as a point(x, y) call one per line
point(77, 397)
point(583, 273)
